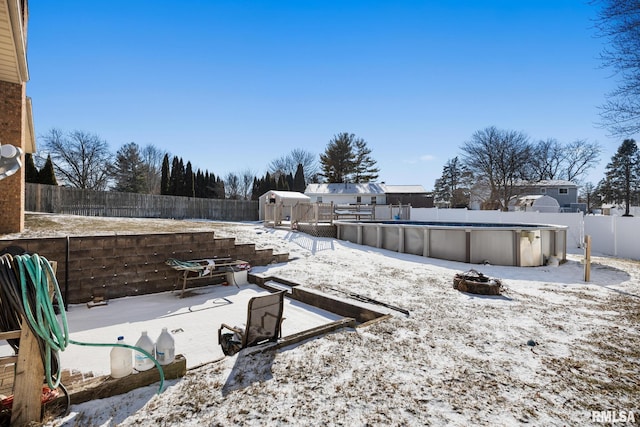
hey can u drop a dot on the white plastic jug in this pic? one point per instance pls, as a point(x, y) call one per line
point(143, 362)
point(121, 360)
point(165, 348)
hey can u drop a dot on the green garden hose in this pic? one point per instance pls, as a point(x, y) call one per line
point(37, 307)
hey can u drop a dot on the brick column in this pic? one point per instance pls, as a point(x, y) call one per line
point(12, 117)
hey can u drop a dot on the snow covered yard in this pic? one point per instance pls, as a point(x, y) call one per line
point(458, 359)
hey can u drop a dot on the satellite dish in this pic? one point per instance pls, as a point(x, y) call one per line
point(9, 160)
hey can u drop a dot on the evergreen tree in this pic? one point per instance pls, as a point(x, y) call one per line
point(47, 174)
point(164, 180)
point(348, 159)
point(298, 180)
point(189, 184)
point(338, 159)
point(182, 181)
point(199, 186)
point(30, 170)
point(453, 188)
point(174, 177)
point(289, 180)
point(129, 173)
point(220, 190)
point(211, 192)
point(622, 181)
point(365, 169)
point(282, 184)
point(264, 185)
point(255, 189)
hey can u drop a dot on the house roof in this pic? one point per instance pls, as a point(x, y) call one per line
point(548, 183)
point(404, 189)
point(345, 188)
point(367, 188)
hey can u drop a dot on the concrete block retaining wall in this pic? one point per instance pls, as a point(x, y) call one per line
point(124, 265)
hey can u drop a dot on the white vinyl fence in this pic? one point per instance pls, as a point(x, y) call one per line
point(610, 235)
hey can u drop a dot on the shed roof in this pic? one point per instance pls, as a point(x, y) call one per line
point(537, 200)
point(289, 195)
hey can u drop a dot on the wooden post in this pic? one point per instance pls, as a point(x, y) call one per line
point(29, 376)
point(27, 384)
point(587, 258)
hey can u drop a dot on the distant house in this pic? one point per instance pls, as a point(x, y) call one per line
point(414, 195)
point(347, 194)
point(565, 193)
point(369, 194)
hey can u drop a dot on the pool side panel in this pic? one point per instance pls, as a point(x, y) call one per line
point(493, 247)
point(522, 245)
point(448, 244)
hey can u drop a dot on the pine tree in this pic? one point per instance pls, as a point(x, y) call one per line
point(338, 159)
point(289, 180)
point(622, 181)
point(365, 169)
point(181, 189)
point(129, 173)
point(30, 170)
point(220, 190)
point(452, 189)
point(189, 184)
point(255, 189)
point(47, 175)
point(164, 180)
point(298, 180)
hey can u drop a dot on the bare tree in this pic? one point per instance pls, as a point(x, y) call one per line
point(81, 159)
point(589, 195)
point(152, 157)
point(289, 164)
point(546, 161)
point(580, 157)
point(553, 160)
point(232, 186)
point(246, 183)
point(619, 21)
point(501, 157)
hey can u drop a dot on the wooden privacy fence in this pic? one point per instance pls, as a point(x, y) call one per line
point(76, 201)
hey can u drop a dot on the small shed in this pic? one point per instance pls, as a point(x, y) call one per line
point(286, 199)
point(536, 203)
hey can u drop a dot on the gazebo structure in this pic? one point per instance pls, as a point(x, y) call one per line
point(16, 123)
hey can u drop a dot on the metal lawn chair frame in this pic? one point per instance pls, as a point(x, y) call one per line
point(264, 319)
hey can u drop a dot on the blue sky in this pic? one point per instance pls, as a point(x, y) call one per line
point(232, 85)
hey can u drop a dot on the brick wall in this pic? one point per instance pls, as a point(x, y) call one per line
point(125, 265)
point(12, 98)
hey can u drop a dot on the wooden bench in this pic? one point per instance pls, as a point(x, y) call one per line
point(204, 269)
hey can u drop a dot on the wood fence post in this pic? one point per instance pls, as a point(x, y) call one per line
point(587, 258)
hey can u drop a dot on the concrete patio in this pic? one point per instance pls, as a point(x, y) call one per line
point(193, 321)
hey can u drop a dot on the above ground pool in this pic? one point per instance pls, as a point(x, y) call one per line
point(522, 245)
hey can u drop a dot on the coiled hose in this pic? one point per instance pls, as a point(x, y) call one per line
point(25, 293)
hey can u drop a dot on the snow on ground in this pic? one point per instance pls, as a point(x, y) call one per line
point(458, 359)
